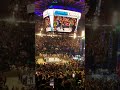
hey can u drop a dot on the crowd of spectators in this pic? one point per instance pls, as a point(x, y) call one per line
point(100, 84)
point(2, 80)
point(100, 62)
point(15, 44)
point(60, 77)
point(57, 45)
point(15, 47)
point(99, 48)
point(24, 74)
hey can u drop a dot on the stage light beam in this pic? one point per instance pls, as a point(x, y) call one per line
point(83, 34)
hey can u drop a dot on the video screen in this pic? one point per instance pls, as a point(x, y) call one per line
point(61, 24)
point(47, 24)
point(64, 24)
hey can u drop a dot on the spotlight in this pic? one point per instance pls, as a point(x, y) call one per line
point(83, 34)
point(74, 35)
point(41, 29)
point(39, 34)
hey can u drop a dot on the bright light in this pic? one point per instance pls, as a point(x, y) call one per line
point(39, 34)
point(74, 35)
point(83, 34)
point(51, 35)
point(51, 22)
point(41, 29)
point(83, 37)
point(40, 61)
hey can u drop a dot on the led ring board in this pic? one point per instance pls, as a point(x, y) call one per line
point(61, 20)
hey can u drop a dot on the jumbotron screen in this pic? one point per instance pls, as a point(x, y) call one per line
point(47, 23)
point(61, 20)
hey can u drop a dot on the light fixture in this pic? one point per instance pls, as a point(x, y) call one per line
point(39, 34)
point(74, 35)
point(41, 29)
point(83, 34)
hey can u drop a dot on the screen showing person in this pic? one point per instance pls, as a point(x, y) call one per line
point(47, 23)
point(64, 24)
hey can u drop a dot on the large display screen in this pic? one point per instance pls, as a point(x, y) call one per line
point(47, 23)
point(64, 24)
point(61, 20)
